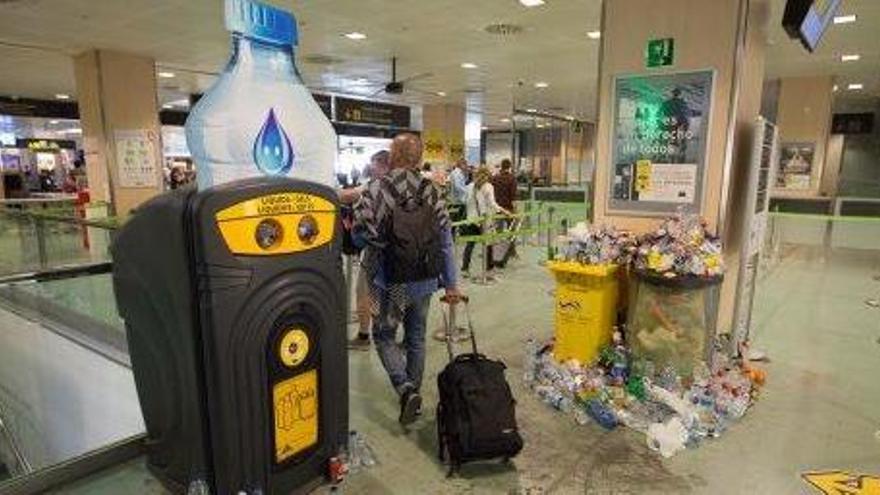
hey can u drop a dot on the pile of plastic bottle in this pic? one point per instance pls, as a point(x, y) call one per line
point(594, 245)
point(681, 246)
point(673, 412)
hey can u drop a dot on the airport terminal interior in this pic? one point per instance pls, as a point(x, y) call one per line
point(516, 247)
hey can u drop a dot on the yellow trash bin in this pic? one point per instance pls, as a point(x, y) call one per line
point(586, 305)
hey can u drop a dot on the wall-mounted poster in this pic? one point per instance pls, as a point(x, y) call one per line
point(795, 165)
point(136, 152)
point(659, 139)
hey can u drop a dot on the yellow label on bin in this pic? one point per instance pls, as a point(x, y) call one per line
point(294, 347)
point(295, 408)
point(281, 223)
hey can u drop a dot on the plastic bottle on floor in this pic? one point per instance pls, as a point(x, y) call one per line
point(258, 118)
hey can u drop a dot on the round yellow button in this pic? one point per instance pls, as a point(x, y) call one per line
point(294, 347)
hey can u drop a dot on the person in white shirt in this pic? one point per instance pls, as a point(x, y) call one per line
point(480, 202)
point(458, 190)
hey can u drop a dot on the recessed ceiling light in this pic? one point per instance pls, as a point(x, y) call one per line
point(53, 122)
point(569, 117)
point(541, 84)
point(468, 65)
point(167, 106)
point(505, 120)
point(166, 74)
point(835, 88)
point(531, 3)
point(62, 96)
point(75, 130)
point(850, 58)
point(531, 110)
point(484, 128)
point(594, 35)
point(354, 35)
point(441, 93)
point(855, 86)
point(844, 19)
point(183, 102)
point(540, 126)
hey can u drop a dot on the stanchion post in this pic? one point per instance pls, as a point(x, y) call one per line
point(550, 254)
point(349, 282)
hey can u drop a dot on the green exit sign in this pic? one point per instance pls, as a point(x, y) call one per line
point(660, 52)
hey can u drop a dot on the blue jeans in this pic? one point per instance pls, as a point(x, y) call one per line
point(406, 366)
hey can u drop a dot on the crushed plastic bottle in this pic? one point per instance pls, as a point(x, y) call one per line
point(602, 414)
point(259, 118)
point(198, 487)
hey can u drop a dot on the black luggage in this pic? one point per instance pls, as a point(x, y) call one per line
point(476, 417)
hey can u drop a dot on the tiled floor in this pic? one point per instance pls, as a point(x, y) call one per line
point(820, 410)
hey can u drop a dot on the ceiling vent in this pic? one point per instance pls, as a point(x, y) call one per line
point(503, 29)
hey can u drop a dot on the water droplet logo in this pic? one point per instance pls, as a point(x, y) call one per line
point(273, 153)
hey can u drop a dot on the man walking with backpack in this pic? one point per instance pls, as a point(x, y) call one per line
point(408, 256)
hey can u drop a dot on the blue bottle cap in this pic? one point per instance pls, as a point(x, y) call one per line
point(262, 22)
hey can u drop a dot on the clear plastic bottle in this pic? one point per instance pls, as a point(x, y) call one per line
point(258, 118)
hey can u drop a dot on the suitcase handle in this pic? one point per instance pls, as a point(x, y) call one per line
point(449, 323)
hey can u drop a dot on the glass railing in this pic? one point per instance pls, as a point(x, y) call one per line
point(39, 239)
point(66, 387)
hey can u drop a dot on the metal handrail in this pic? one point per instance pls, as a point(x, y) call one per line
point(25, 466)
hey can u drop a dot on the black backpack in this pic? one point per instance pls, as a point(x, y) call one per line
point(346, 213)
point(476, 417)
point(413, 233)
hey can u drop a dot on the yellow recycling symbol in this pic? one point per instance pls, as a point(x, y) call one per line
point(843, 483)
point(296, 414)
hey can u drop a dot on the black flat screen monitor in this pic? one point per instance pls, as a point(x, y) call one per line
point(807, 20)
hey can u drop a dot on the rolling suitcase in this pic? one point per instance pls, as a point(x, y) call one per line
point(476, 417)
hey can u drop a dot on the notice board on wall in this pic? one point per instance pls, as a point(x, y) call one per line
point(659, 142)
point(136, 157)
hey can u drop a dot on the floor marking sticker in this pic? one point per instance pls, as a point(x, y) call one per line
point(839, 482)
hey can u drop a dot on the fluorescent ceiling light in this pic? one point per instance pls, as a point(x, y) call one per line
point(531, 110)
point(183, 102)
point(849, 58)
point(166, 74)
point(441, 93)
point(844, 19)
point(468, 65)
point(532, 3)
point(75, 130)
point(505, 120)
point(541, 84)
point(62, 96)
point(354, 35)
point(167, 106)
point(855, 86)
point(484, 128)
point(53, 122)
point(594, 35)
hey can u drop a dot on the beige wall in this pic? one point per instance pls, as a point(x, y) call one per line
point(804, 115)
point(116, 91)
point(704, 33)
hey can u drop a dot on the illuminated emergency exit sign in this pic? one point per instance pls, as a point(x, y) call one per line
point(660, 52)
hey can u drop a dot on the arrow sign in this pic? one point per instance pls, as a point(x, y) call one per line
point(843, 483)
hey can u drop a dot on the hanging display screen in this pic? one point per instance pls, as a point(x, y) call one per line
point(659, 138)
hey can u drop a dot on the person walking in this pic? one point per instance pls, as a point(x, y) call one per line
point(505, 194)
point(377, 169)
point(408, 256)
point(480, 202)
point(458, 180)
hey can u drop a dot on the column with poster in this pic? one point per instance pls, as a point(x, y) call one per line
point(659, 143)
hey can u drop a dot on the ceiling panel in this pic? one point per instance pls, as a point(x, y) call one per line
point(188, 37)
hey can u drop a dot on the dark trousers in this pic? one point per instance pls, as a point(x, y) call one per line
point(473, 229)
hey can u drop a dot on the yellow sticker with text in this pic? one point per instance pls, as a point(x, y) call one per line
point(295, 407)
point(643, 175)
point(843, 483)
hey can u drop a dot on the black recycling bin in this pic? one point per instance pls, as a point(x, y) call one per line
point(233, 300)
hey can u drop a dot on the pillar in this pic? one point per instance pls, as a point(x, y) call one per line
point(116, 93)
point(443, 131)
point(725, 38)
point(804, 118)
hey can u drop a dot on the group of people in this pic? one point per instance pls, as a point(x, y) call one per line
point(404, 229)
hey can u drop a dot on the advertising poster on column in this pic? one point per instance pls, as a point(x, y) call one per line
point(660, 131)
point(795, 165)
